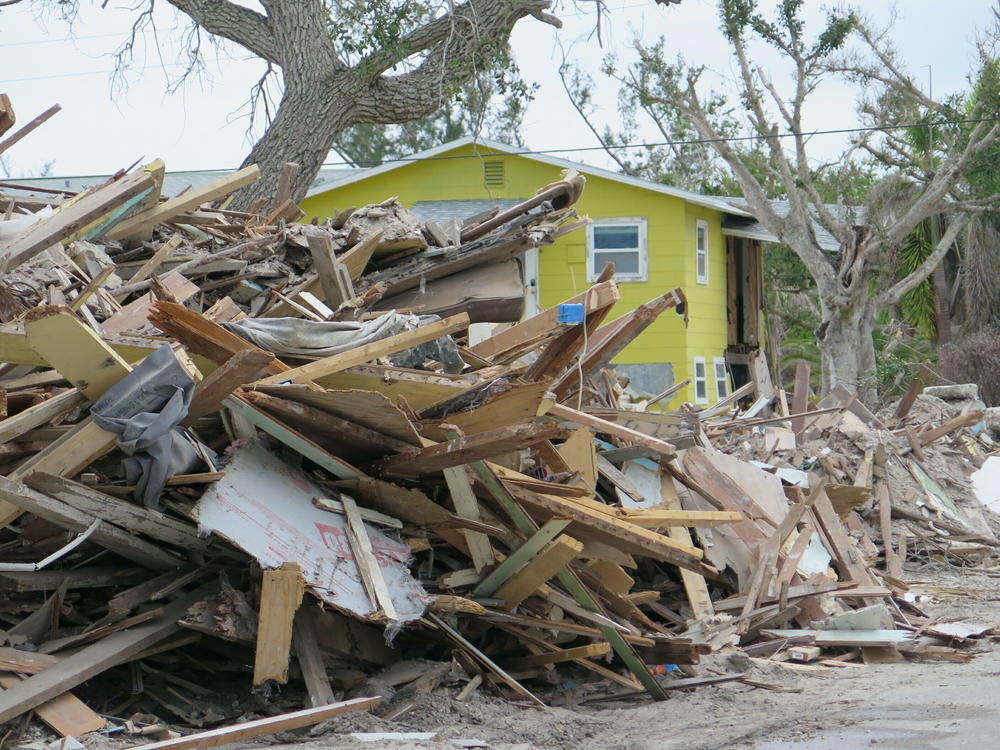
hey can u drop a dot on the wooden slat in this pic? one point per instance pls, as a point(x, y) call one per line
point(40, 414)
point(467, 507)
point(663, 448)
point(553, 657)
point(546, 564)
point(310, 658)
point(66, 714)
point(22, 132)
point(260, 727)
point(280, 596)
point(243, 367)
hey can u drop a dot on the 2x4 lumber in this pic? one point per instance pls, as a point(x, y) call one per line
point(364, 558)
point(106, 535)
point(694, 583)
point(260, 727)
point(955, 423)
point(464, 450)
point(162, 253)
point(22, 132)
point(84, 443)
point(847, 558)
point(91, 287)
point(243, 367)
point(706, 519)
point(280, 596)
point(71, 218)
point(663, 448)
point(134, 518)
point(535, 544)
point(327, 267)
point(597, 297)
point(546, 564)
point(361, 354)
point(310, 658)
point(92, 660)
point(553, 657)
point(467, 507)
point(39, 414)
point(185, 202)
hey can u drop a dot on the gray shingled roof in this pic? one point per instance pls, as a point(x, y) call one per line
point(173, 182)
point(739, 226)
point(444, 211)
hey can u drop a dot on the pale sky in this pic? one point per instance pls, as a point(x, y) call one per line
point(203, 124)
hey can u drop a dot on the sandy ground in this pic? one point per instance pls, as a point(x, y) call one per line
point(909, 705)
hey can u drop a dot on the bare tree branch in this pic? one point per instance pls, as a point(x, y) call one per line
point(242, 25)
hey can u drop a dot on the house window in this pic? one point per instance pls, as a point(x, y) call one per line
point(721, 378)
point(701, 251)
point(619, 241)
point(700, 381)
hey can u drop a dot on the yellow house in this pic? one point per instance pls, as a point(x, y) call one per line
point(659, 237)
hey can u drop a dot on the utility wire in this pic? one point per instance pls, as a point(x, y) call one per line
point(689, 142)
point(651, 144)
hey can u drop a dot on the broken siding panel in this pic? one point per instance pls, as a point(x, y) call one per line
point(264, 507)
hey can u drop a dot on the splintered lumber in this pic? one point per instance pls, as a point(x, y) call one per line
point(955, 423)
point(40, 414)
point(261, 727)
point(162, 253)
point(546, 564)
point(336, 288)
point(243, 367)
point(610, 339)
point(906, 403)
point(557, 355)
point(467, 507)
point(310, 658)
point(694, 583)
point(107, 535)
point(145, 221)
point(361, 354)
point(364, 558)
point(465, 450)
point(7, 117)
point(134, 518)
point(661, 447)
point(133, 315)
point(71, 218)
point(595, 298)
point(553, 657)
point(520, 556)
point(800, 399)
point(280, 596)
point(846, 555)
point(114, 649)
point(580, 455)
point(79, 354)
point(202, 336)
point(588, 523)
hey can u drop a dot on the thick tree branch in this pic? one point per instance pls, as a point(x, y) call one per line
point(234, 22)
point(895, 293)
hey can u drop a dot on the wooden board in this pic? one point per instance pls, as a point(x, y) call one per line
point(66, 714)
point(580, 455)
point(40, 414)
point(467, 506)
point(280, 596)
point(133, 315)
point(310, 658)
point(260, 727)
point(695, 587)
point(546, 564)
point(367, 564)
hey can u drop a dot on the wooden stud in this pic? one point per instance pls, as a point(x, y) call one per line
point(310, 659)
point(280, 596)
point(546, 564)
point(466, 506)
point(364, 558)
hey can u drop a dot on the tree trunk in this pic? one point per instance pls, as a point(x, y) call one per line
point(310, 116)
point(848, 352)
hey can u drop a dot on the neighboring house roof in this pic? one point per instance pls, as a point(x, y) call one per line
point(750, 228)
point(444, 211)
point(173, 182)
point(710, 201)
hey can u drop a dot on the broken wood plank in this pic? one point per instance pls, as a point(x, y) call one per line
point(243, 367)
point(260, 727)
point(66, 714)
point(280, 596)
point(465, 450)
point(800, 398)
point(924, 374)
point(364, 558)
point(310, 658)
point(361, 354)
point(40, 414)
point(336, 283)
point(28, 128)
point(467, 507)
point(553, 657)
point(134, 314)
point(663, 448)
point(546, 564)
point(535, 543)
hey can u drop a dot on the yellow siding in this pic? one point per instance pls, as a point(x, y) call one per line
point(562, 265)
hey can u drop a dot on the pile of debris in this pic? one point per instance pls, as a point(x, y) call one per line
point(230, 439)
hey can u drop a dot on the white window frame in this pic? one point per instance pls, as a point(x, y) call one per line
point(642, 275)
point(702, 381)
point(700, 252)
point(720, 393)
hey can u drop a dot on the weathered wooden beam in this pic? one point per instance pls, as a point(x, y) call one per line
point(280, 596)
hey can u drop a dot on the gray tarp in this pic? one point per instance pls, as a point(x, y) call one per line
point(145, 408)
point(297, 336)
